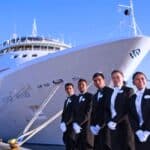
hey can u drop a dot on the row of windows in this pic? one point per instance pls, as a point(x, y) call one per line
point(29, 47)
point(23, 39)
point(24, 55)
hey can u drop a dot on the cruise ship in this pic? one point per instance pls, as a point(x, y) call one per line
point(34, 69)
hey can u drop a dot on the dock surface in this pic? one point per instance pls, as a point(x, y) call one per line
point(4, 146)
point(44, 147)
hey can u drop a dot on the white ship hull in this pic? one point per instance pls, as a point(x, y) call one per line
point(23, 88)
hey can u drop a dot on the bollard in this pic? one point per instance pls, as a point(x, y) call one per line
point(1, 140)
point(13, 143)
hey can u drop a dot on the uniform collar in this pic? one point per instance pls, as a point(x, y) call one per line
point(83, 93)
point(101, 90)
point(117, 88)
point(138, 92)
point(70, 96)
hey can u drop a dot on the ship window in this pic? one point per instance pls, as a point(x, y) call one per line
point(57, 48)
point(15, 56)
point(23, 39)
point(34, 55)
point(44, 47)
point(5, 43)
point(12, 48)
point(28, 47)
point(25, 55)
point(36, 47)
point(1, 52)
point(17, 39)
point(15, 49)
point(18, 48)
point(13, 41)
point(49, 47)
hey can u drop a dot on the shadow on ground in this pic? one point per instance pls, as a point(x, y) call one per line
point(44, 147)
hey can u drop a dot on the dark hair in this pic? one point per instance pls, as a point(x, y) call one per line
point(138, 73)
point(117, 71)
point(68, 84)
point(97, 74)
point(82, 80)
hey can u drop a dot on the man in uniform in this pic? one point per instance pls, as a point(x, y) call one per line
point(98, 123)
point(82, 113)
point(67, 117)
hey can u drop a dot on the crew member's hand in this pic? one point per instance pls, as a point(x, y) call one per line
point(63, 127)
point(112, 125)
point(76, 128)
point(94, 132)
point(95, 129)
point(146, 135)
point(140, 135)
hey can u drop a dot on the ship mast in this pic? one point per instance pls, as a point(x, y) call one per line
point(34, 28)
point(134, 26)
point(129, 11)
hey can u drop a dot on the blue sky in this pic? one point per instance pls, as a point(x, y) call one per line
point(79, 22)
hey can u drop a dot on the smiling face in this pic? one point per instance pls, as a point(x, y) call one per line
point(140, 81)
point(117, 79)
point(99, 82)
point(69, 90)
point(82, 86)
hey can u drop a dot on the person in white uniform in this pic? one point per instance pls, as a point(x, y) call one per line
point(121, 135)
point(140, 112)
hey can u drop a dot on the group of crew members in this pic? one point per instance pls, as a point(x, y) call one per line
point(111, 119)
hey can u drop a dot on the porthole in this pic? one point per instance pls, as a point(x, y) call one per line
point(58, 81)
point(15, 56)
point(34, 55)
point(25, 55)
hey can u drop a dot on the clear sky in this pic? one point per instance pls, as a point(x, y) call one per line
point(79, 22)
point(76, 21)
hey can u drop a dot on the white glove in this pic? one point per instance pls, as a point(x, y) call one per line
point(95, 129)
point(146, 135)
point(112, 125)
point(92, 128)
point(140, 135)
point(76, 128)
point(63, 127)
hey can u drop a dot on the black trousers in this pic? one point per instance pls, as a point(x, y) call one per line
point(102, 140)
point(68, 140)
point(84, 141)
point(122, 138)
point(142, 145)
